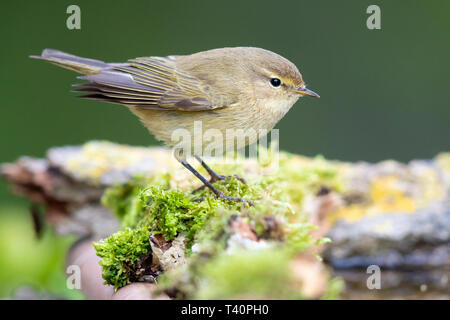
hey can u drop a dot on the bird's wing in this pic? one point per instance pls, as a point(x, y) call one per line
point(150, 83)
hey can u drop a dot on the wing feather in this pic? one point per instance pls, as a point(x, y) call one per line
point(150, 83)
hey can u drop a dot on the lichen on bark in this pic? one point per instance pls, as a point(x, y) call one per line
point(392, 214)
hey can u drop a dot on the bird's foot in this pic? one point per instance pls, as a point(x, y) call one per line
point(219, 194)
point(223, 196)
point(220, 177)
point(213, 178)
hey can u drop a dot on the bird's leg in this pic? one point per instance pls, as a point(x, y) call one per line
point(214, 175)
point(217, 192)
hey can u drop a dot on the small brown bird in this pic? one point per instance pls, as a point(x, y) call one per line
point(223, 89)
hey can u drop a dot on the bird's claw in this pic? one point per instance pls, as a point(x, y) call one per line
point(220, 177)
point(223, 196)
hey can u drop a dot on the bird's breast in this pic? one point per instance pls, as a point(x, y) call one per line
point(219, 130)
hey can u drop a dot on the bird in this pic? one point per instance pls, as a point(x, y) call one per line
point(222, 89)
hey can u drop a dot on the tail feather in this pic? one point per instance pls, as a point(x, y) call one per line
point(74, 63)
point(105, 81)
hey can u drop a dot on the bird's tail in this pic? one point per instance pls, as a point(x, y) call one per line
point(71, 62)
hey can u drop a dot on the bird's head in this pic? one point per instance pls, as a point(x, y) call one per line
point(275, 79)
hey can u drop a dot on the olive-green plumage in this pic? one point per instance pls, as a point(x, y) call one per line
point(222, 89)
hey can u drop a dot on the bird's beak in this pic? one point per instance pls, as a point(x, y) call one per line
point(307, 92)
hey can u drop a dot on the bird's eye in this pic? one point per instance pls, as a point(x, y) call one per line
point(275, 82)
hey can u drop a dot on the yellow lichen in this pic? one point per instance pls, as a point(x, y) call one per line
point(443, 161)
point(349, 213)
point(387, 196)
point(99, 157)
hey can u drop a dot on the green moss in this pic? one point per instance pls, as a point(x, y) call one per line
point(119, 253)
point(301, 177)
point(158, 210)
point(213, 273)
point(334, 288)
point(259, 274)
point(170, 212)
point(159, 206)
point(123, 200)
point(298, 237)
point(140, 200)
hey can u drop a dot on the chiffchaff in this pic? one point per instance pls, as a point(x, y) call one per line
point(229, 88)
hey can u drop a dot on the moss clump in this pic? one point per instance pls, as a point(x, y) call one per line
point(146, 207)
point(298, 237)
point(162, 205)
point(125, 201)
point(260, 274)
point(302, 176)
point(120, 252)
point(215, 272)
point(170, 212)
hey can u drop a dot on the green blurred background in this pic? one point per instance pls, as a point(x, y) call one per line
point(384, 93)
